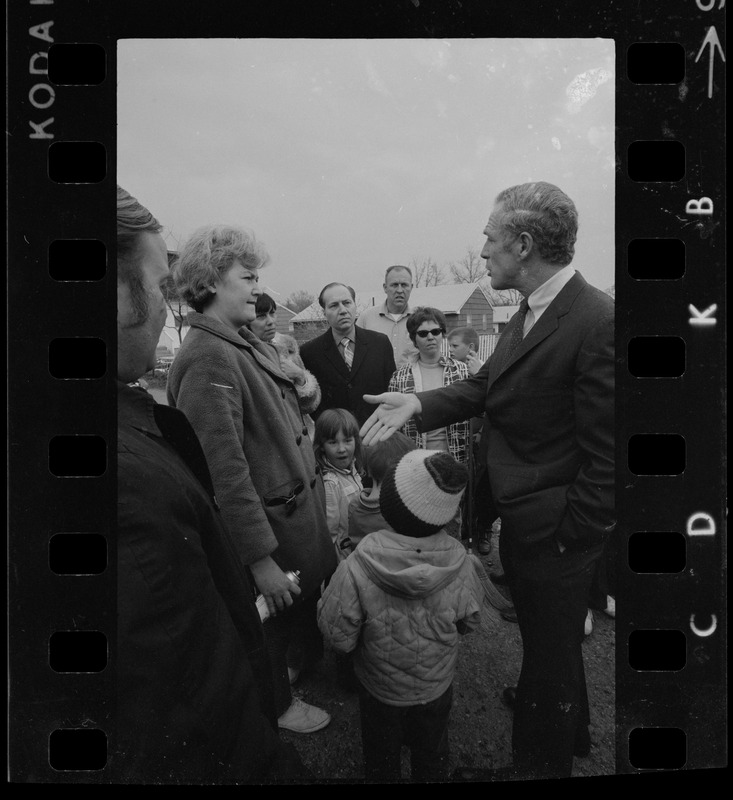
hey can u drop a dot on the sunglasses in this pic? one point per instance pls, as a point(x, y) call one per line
point(433, 331)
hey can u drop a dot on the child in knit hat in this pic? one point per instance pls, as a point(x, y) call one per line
point(399, 601)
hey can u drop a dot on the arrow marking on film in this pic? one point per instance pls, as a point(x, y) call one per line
point(711, 38)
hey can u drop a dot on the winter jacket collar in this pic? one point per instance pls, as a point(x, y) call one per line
point(409, 567)
point(264, 354)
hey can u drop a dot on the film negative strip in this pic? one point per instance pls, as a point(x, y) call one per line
point(670, 345)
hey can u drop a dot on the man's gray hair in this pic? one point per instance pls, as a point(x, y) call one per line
point(547, 214)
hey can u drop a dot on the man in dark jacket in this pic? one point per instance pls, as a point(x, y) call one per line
point(194, 702)
point(548, 445)
point(346, 360)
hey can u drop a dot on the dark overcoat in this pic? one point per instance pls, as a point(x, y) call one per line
point(548, 435)
point(194, 699)
point(342, 387)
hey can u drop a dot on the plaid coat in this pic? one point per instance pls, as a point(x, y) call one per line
point(407, 380)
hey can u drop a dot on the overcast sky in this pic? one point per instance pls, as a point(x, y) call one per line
point(345, 156)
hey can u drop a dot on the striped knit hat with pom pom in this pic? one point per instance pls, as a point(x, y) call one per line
point(421, 494)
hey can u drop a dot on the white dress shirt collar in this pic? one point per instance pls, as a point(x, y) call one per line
point(543, 295)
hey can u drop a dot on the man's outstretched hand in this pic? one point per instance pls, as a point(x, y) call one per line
point(392, 413)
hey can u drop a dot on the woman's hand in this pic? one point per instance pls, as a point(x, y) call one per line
point(275, 586)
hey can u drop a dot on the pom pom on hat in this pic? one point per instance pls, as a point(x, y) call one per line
point(421, 494)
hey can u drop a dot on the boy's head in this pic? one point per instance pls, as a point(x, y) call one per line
point(420, 495)
point(461, 341)
point(380, 456)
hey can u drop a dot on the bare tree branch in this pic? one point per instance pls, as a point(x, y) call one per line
point(501, 297)
point(299, 300)
point(427, 272)
point(469, 269)
point(178, 308)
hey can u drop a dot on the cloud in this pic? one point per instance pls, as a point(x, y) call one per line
point(583, 87)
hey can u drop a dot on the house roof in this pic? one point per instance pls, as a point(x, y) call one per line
point(449, 298)
point(504, 313)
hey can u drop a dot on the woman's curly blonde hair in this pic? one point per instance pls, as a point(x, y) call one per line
point(208, 255)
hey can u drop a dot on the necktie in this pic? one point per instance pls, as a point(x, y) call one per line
point(348, 355)
point(516, 334)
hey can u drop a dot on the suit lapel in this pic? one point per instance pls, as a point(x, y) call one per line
point(331, 352)
point(360, 351)
point(547, 324)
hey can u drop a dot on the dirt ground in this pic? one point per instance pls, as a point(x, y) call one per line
point(480, 728)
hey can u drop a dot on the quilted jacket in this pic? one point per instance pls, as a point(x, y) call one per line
point(400, 602)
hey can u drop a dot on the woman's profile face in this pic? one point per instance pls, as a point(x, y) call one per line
point(235, 295)
point(264, 325)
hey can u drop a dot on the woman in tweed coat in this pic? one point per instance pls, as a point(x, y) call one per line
point(245, 412)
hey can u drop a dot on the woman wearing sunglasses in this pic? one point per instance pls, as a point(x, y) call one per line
point(431, 369)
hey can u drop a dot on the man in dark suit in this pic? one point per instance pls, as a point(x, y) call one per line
point(548, 442)
point(347, 361)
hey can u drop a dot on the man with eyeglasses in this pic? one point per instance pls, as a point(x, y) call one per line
point(548, 394)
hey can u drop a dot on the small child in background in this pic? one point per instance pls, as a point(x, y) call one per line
point(399, 601)
point(306, 385)
point(463, 344)
point(364, 514)
point(337, 447)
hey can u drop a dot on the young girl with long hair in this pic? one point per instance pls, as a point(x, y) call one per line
point(337, 447)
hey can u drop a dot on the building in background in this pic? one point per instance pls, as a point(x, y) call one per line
point(464, 305)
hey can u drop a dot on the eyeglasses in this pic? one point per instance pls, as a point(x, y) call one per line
point(432, 331)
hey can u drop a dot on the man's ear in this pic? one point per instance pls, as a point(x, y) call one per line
point(526, 243)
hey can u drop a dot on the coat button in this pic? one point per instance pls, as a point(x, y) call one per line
point(298, 439)
point(305, 431)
